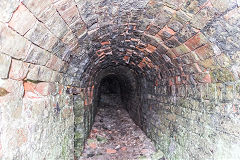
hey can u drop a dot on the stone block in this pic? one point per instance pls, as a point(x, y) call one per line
point(172, 42)
point(181, 50)
point(45, 89)
point(14, 91)
point(41, 36)
point(37, 7)
point(12, 43)
point(223, 5)
point(79, 28)
point(175, 25)
point(63, 5)
point(57, 25)
point(222, 75)
point(55, 63)
point(18, 70)
point(200, 20)
point(164, 16)
point(22, 20)
point(204, 52)
point(5, 62)
point(174, 4)
point(70, 39)
point(39, 73)
point(7, 7)
point(70, 14)
point(37, 55)
point(185, 33)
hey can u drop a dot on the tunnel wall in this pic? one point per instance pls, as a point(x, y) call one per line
point(36, 113)
point(184, 53)
point(193, 122)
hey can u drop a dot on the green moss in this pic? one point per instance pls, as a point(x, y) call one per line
point(221, 75)
point(101, 139)
point(64, 148)
point(33, 81)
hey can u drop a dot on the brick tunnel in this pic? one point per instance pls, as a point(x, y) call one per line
point(176, 63)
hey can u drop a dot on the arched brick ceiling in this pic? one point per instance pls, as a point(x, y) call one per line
point(178, 41)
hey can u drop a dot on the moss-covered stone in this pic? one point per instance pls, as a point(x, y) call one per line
point(222, 75)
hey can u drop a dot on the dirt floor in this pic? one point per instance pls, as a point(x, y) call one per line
point(115, 136)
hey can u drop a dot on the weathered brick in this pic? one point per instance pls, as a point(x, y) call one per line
point(222, 5)
point(7, 7)
point(41, 36)
point(55, 63)
point(5, 62)
point(22, 20)
point(18, 70)
point(196, 41)
point(37, 7)
point(181, 50)
point(166, 33)
point(45, 89)
point(70, 39)
point(39, 73)
point(57, 25)
point(12, 43)
point(204, 52)
point(203, 16)
point(68, 11)
point(37, 55)
point(79, 28)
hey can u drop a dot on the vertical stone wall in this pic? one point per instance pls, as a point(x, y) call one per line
point(37, 120)
point(194, 122)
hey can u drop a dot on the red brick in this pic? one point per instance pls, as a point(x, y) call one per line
point(196, 41)
point(164, 31)
point(150, 48)
point(207, 78)
point(126, 59)
point(29, 86)
point(141, 65)
point(105, 43)
point(111, 151)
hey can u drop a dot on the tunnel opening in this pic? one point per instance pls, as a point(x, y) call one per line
point(116, 130)
point(115, 90)
point(111, 91)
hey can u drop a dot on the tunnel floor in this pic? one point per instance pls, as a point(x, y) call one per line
point(115, 136)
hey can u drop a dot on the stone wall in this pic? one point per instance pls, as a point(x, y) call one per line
point(179, 60)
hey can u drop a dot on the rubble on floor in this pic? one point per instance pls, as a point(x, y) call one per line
point(115, 136)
